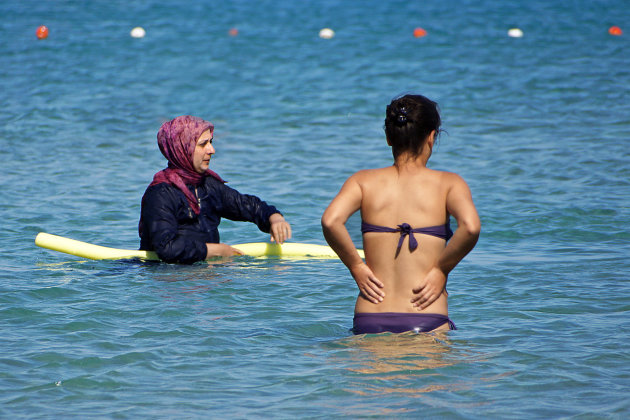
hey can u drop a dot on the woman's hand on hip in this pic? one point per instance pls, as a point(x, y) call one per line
point(429, 289)
point(369, 285)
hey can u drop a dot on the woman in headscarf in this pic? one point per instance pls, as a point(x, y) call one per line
point(183, 206)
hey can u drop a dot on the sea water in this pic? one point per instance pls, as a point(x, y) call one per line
point(538, 126)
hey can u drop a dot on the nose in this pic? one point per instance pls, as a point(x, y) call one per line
point(210, 149)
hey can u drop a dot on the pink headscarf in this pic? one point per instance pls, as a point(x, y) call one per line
point(177, 140)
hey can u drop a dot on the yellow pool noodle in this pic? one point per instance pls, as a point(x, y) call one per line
point(254, 249)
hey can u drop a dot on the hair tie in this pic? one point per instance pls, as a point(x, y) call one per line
point(402, 116)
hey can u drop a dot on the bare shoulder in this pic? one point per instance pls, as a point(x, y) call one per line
point(366, 175)
point(451, 179)
point(373, 171)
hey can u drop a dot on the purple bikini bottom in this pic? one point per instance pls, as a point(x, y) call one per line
point(397, 322)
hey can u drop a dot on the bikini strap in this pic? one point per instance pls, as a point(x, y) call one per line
point(404, 229)
point(451, 324)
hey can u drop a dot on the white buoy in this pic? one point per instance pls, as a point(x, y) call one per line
point(515, 33)
point(326, 33)
point(138, 32)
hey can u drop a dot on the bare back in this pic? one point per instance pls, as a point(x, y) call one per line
point(392, 196)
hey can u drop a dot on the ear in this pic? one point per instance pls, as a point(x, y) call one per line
point(431, 140)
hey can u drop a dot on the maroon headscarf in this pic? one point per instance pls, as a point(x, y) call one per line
point(177, 140)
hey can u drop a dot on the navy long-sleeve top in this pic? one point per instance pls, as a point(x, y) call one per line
point(172, 229)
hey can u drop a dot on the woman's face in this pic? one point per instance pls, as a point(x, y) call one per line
point(203, 152)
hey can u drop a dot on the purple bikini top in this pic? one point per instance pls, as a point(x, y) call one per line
point(441, 231)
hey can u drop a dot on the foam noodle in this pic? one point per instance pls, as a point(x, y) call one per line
point(254, 249)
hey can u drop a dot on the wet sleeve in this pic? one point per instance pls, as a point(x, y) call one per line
point(160, 214)
point(246, 208)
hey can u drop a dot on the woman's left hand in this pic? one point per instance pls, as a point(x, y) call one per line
point(280, 228)
point(430, 288)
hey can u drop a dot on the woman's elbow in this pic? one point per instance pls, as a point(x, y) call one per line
point(471, 226)
point(329, 221)
point(326, 222)
point(474, 228)
point(167, 255)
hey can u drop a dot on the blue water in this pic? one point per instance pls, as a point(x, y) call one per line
point(539, 126)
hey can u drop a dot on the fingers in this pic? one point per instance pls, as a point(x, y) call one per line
point(221, 250)
point(378, 283)
point(418, 291)
point(373, 295)
point(369, 285)
point(372, 290)
point(420, 302)
point(280, 232)
point(237, 251)
point(424, 300)
point(429, 290)
point(427, 302)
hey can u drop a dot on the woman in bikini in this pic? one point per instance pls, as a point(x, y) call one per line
point(405, 210)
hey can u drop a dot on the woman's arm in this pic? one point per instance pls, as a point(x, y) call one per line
point(347, 202)
point(280, 231)
point(460, 205)
point(250, 208)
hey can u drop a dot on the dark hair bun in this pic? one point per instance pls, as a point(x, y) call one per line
point(409, 120)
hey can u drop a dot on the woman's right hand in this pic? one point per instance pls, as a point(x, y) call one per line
point(221, 250)
point(369, 285)
point(430, 289)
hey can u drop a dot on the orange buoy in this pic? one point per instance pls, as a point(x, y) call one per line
point(615, 30)
point(41, 32)
point(233, 32)
point(419, 32)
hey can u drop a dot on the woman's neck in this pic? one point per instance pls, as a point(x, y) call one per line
point(407, 161)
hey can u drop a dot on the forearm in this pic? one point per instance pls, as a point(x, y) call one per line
point(246, 208)
point(334, 219)
point(462, 242)
point(338, 238)
point(460, 205)
point(340, 241)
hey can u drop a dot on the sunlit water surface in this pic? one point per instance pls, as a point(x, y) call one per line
point(537, 125)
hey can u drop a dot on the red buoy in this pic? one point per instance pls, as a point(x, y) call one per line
point(615, 30)
point(419, 32)
point(41, 32)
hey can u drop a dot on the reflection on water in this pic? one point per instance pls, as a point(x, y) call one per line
point(410, 364)
point(401, 354)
